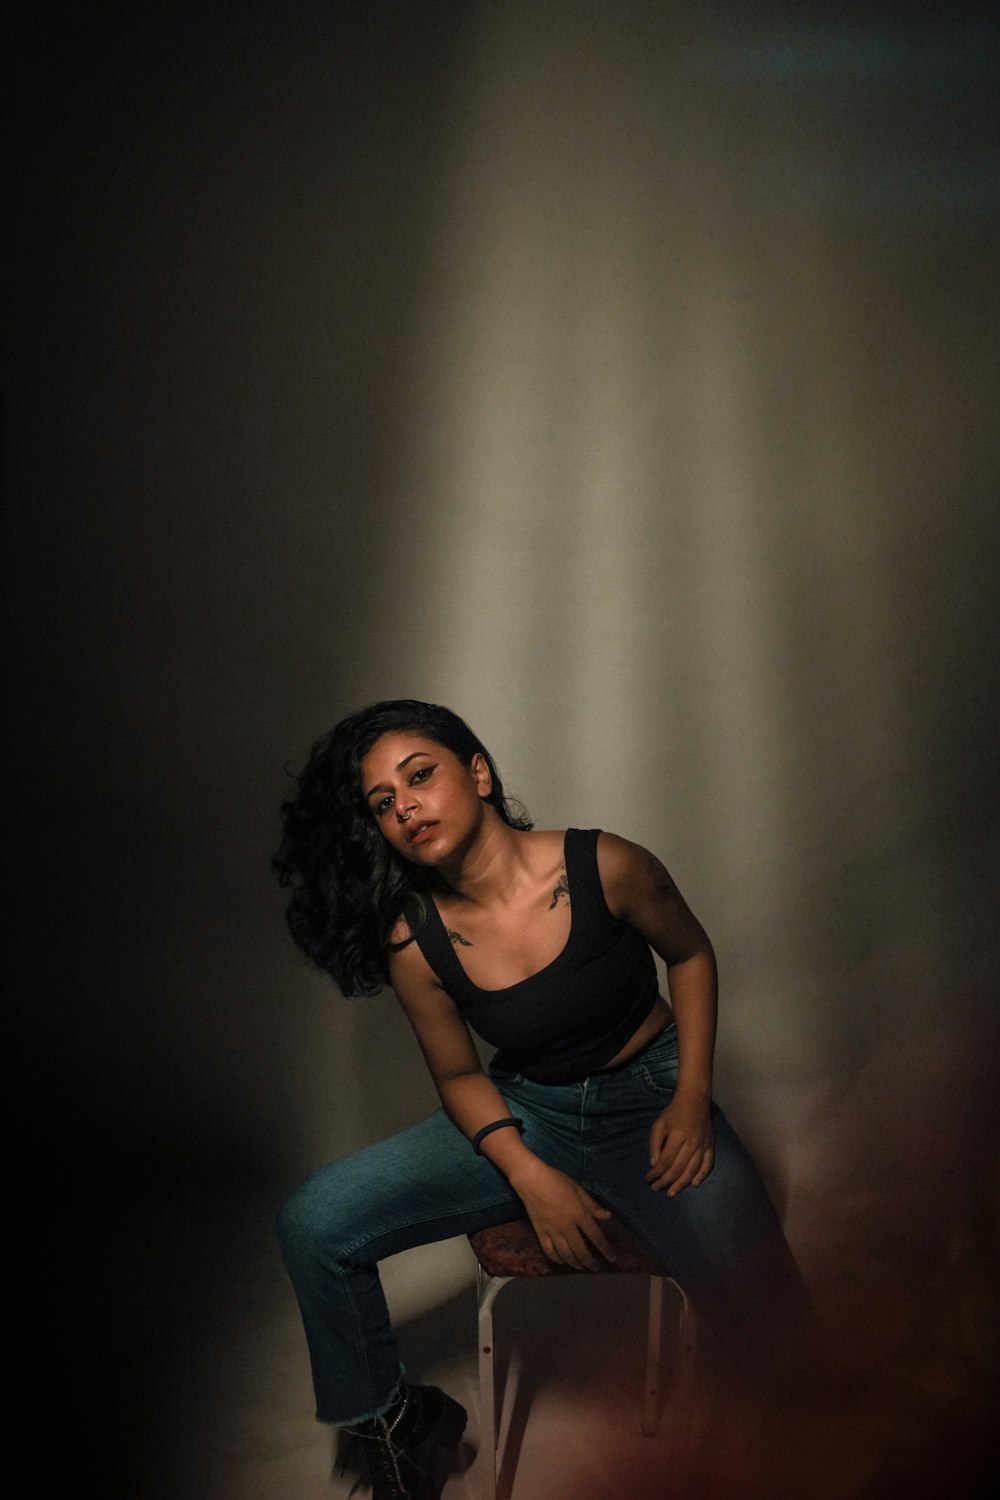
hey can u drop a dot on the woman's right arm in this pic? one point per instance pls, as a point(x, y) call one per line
point(564, 1215)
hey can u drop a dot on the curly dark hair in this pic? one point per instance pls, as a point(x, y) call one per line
point(349, 887)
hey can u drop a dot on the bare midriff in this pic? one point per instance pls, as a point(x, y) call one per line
point(658, 1020)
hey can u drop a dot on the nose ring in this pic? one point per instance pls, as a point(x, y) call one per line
point(405, 817)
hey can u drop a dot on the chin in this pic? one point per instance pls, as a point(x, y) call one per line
point(421, 855)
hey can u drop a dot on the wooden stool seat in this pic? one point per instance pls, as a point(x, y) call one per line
point(512, 1252)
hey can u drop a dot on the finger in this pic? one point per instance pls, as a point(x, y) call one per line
point(593, 1231)
point(596, 1237)
point(685, 1178)
point(595, 1209)
point(671, 1156)
point(695, 1172)
point(667, 1176)
point(662, 1180)
point(659, 1135)
point(707, 1163)
point(661, 1177)
point(584, 1258)
point(560, 1254)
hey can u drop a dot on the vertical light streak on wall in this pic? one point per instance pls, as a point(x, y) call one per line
point(731, 624)
point(600, 553)
point(605, 634)
point(536, 539)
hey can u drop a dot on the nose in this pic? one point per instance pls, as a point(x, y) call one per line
point(404, 809)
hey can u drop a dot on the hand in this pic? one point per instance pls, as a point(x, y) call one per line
point(565, 1218)
point(681, 1150)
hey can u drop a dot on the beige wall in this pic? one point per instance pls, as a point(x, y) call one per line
point(624, 379)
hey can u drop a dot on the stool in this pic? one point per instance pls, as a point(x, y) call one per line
point(511, 1251)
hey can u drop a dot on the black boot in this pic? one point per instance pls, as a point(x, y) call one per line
point(409, 1447)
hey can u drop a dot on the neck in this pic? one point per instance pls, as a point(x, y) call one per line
point(492, 868)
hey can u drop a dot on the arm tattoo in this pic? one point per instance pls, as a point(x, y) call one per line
point(456, 937)
point(562, 889)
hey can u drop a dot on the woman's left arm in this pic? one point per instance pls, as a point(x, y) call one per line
point(640, 892)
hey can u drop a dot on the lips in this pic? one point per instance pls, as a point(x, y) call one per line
point(420, 832)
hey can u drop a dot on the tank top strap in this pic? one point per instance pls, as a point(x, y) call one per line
point(590, 916)
point(584, 878)
point(435, 944)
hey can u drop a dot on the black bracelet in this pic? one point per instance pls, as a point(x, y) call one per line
point(497, 1125)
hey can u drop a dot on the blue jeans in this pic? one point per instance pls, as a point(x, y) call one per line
point(721, 1241)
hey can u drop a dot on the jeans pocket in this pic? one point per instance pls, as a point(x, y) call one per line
point(658, 1081)
point(656, 1067)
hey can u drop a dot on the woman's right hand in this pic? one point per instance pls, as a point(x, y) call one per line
point(565, 1217)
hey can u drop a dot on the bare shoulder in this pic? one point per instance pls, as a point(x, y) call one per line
point(402, 932)
point(408, 968)
point(629, 872)
point(640, 891)
point(545, 844)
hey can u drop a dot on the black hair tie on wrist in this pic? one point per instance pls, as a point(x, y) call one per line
point(497, 1125)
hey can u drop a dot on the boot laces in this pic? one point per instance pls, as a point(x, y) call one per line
point(384, 1456)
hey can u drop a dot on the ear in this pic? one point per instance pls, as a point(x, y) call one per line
point(481, 775)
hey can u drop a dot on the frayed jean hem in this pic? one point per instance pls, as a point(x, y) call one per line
point(369, 1416)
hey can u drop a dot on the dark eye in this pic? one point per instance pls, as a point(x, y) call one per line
point(382, 805)
point(421, 775)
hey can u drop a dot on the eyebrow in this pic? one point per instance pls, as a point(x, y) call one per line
point(404, 762)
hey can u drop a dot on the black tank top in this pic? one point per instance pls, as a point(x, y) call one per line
point(573, 1016)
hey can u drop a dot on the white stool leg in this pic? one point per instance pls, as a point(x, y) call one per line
point(488, 1286)
point(687, 1340)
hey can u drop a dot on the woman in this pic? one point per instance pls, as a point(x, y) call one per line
point(408, 865)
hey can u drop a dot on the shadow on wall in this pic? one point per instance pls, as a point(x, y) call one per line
point(214, 212)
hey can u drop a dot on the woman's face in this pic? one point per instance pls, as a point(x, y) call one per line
point(425, 801)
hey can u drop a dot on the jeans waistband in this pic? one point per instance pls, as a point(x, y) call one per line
point(665, 1040)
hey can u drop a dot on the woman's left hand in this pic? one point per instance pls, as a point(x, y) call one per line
point(681, 1150)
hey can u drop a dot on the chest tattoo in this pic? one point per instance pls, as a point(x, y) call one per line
point(562, 889)
point(456, 937)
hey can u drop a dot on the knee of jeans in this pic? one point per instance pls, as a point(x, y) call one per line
point(310, 1228)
